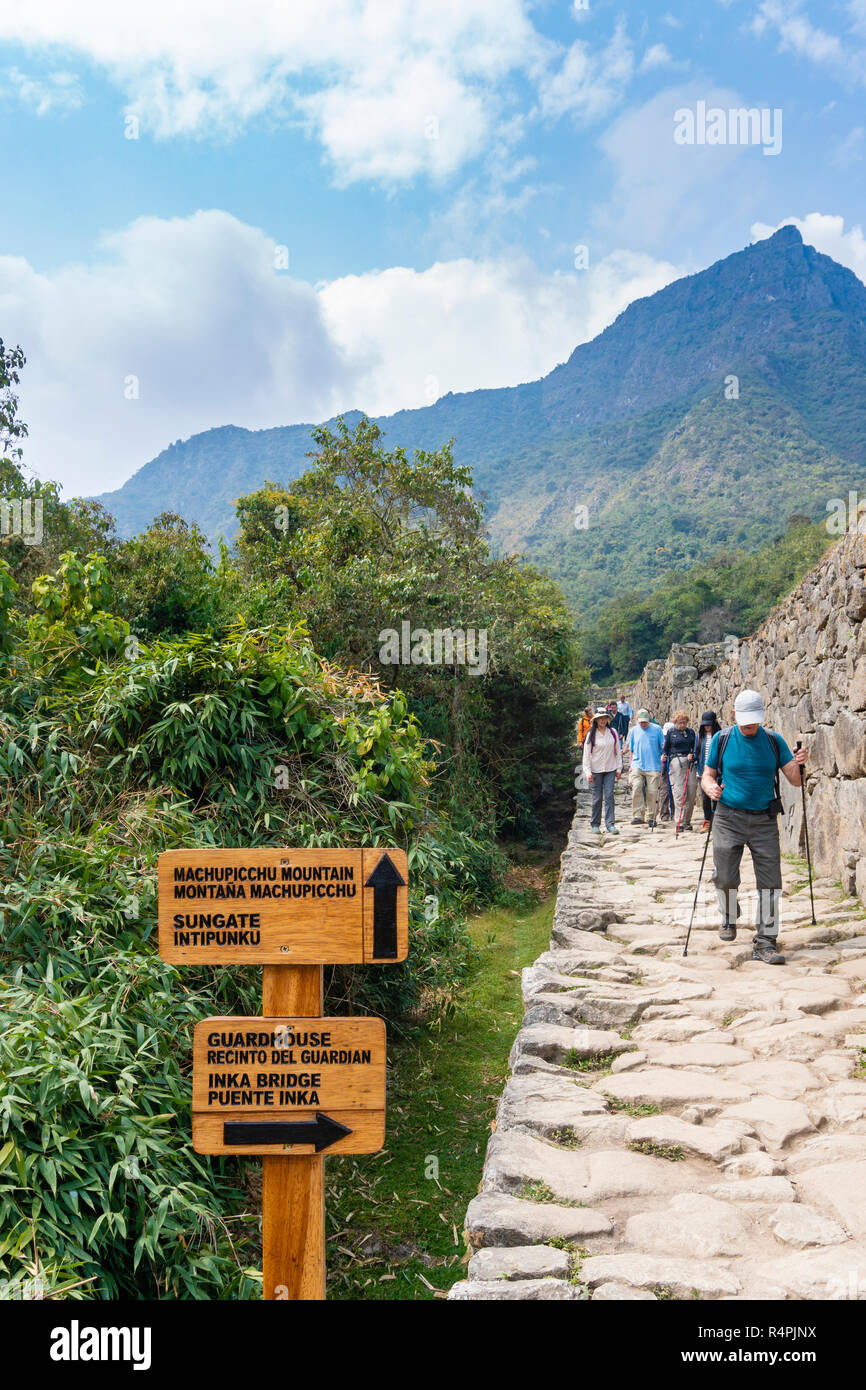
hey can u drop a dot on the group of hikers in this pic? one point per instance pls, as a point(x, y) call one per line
point(667, 764)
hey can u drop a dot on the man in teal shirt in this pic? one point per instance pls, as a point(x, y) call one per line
point(746, 813)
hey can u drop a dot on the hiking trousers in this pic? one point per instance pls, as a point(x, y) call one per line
point(683, 780)
point(602, 788)
point(732, 831)
point(644, 793)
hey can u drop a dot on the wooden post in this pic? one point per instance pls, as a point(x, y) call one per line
point(293, 1186)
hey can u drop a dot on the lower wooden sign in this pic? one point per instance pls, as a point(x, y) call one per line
point(288, 1085)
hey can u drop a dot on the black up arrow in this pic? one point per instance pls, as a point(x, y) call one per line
point(384, 880)
point(323, 1131)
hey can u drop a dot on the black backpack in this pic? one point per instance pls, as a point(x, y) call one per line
point(775, 806)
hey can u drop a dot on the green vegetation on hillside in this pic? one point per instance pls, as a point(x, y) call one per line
point(724, 477)
point(732, 593)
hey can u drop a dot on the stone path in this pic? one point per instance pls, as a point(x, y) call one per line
point(678, 1128)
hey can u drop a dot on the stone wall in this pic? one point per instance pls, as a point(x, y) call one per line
point(808, 660)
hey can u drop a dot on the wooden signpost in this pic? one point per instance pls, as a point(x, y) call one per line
point(290, 1084)
point(286, 907)
point(260, 1085)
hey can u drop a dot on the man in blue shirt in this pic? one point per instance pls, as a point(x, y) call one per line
point(746, 812)
point(645, 746)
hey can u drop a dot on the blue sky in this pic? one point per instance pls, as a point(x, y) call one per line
point(352, 204)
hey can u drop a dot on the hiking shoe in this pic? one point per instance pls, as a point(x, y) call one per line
point(727, 933)
point(705, 827)
point(651, 824)
point(595, 830)
point(612, 830)
point(768, 954)
point(636, 820)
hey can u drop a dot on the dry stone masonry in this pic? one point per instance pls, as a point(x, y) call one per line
point(808, 660)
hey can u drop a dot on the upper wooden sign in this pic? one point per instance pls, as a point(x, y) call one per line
point(283, 906)
point(288, 1085)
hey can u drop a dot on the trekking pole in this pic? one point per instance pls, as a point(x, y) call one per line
point(682, 804)
point(806, 832)
point(700, 876)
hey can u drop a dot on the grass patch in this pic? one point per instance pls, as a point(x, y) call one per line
point(627, 1107)
point(860, 1069)
point(537, 1191)
point(577, 1254)
point(672, 1152)
point(395, 1219)
point(599, 1061)
point(728, 1020)
point(566, 1138)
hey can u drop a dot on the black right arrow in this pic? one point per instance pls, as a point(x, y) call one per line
point(385, 880)
point(323, 1131)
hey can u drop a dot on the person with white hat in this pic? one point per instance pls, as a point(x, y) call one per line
point(741, 776)
point(602, 763)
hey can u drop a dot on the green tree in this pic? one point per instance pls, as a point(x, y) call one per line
point(377, 540)
point(164, 582)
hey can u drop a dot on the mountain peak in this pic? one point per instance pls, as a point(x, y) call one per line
point(789, 235)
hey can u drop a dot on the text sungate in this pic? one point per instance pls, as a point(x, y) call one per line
point(258, 882)
point(263, 1089)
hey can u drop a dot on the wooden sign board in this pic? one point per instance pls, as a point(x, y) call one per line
point(283, 906)
point(288, 1085)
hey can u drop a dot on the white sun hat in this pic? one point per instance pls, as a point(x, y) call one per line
point(749, 708)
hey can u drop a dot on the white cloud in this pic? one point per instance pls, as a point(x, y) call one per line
point(798, 35)
point(390, 129)
point(466, 324)
point(195, 310)
point(57, 91)
point(662, 191)
point(362, 74)
point(656, 56)
point(850, 150)
point(192, 308)
point(588, 85)
point(826, 233)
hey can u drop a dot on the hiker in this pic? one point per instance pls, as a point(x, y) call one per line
point(584, 725)
point(709, 725)
point(602, 762)
point(678, 756)
point(645, 746)
point(624, 714)
point(665, 803)
point(742, 777)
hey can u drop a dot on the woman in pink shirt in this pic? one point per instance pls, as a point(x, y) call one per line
point(602, 762)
